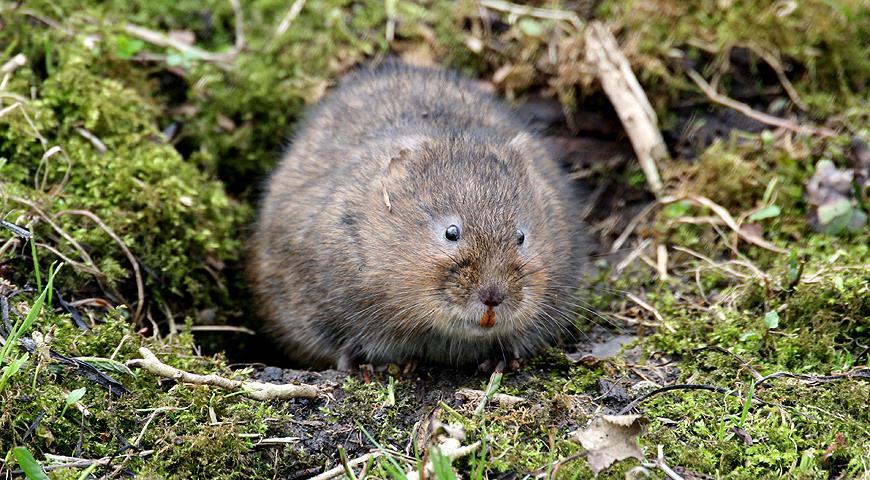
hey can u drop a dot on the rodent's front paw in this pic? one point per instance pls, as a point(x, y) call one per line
point(500, 366)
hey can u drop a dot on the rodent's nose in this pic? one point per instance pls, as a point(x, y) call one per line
point(491, 296)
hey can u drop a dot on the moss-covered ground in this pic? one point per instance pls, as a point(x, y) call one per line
point(135, 159)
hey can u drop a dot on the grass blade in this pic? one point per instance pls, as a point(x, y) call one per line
point(32, 469)
point(35, 262)
point(441, 465)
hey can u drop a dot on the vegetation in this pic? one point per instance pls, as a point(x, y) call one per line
point(133, 138)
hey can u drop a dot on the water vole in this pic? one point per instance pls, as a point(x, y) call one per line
point(414, 218)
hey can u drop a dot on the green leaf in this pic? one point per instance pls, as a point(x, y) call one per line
point(771, 319)
point(770, 211)
point(637, 179)
point(530, 27)
point(75, 395)
point(29, 465)
point(441, 465)
point(107, 365)
point(126, 47)
point(393, 466)
point(17, 363)
point(768, 192)
point(88, 471)
point(174, 60)
point(833, 210)
point(33, 254)
point(677, 209)
point(37, 305)
point(11, 369)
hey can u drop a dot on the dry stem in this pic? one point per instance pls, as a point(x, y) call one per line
point(750, 112)
point(726, 217)
point(545, 13)
point(256, 390)
point(140, 284)
point(162, 40)
point(339, 470)
point(628, 98)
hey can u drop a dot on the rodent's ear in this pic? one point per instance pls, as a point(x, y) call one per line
point(397, 163)
point(402, 149)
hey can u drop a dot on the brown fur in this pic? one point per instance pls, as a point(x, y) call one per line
point(349, 258)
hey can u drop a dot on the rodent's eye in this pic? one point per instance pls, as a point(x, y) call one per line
point(452, 233)
point(521, 237)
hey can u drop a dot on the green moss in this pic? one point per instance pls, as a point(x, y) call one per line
point(174, 219)
point(819, 38)
point(181, 205)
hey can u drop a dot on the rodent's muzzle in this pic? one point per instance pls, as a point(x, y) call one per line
point(491, 296)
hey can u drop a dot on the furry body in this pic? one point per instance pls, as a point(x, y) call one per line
point(349, 259)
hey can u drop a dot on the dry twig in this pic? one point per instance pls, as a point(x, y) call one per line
point(774, 63)
point(629, 100)
point(217, 328)
point(294, 11)
point(649, 308)
point(140, 284)
point(727, 218)
point(13, 63)
point(162, 40)
point(339, 470)
point(663, 466)
point(860, 373)
point(689, 386)
point(252, 389)
point(632, 225)
point(544, 13)
point(750, 112)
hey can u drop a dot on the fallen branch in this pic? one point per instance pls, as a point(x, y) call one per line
point(629, 100)
point(750, 112)
point(256, 390)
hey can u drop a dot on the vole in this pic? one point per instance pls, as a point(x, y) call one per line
point(414, 218)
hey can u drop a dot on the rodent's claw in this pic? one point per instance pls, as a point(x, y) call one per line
point(500, 366)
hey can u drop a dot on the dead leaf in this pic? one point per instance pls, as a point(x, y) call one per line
point(839, 442)
point(743, 435)
point(610, 438)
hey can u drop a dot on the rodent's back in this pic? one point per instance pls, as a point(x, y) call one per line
point(342, 255)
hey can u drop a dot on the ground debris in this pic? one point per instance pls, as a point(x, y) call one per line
point(830, 193)
point(611, 438)
point(256, 390)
